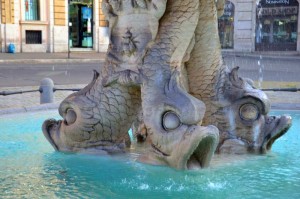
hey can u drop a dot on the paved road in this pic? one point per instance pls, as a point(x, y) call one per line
point(14, 75)
point(77, 73)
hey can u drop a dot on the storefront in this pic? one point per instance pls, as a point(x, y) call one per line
point(276, 25)
point(42, 25)
point(226, 26)
point(81, 23)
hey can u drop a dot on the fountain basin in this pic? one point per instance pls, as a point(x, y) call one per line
point(29, 167)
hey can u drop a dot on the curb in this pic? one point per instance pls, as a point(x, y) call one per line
point(43, 61)
point(43, 107)
point(78, 60)
point(273, 55)
point(285, 106)
point(262, 56)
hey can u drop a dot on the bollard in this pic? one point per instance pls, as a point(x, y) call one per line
point(46, 90)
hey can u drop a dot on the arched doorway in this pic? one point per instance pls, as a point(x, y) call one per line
point(226, 26)
point(276, 25)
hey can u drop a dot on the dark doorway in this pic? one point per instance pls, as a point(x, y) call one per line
point(226, 26)
point(81, 27)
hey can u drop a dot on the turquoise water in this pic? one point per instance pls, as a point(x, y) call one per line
point(30, 168)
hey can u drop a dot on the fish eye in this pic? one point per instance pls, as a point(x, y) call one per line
point(70, 117)
point(249, 112)
point(171, 121)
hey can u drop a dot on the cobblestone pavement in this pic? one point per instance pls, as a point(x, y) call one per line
point(11, 103)
point(24, 101)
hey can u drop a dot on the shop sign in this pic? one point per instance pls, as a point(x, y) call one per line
point(290, 10)
point(287, 2)
point(276, 3)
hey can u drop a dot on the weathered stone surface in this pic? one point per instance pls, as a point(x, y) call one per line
point(164, 61)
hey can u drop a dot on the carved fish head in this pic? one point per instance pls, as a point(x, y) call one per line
point(80, 131)
point(175, 136)
point(246, 125)
point(85, 129)
point(186, 147)
point(73, 133)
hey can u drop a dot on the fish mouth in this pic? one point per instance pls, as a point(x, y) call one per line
point(200, 155)
point(279, 126)
point(193, 152)
point(49, 127)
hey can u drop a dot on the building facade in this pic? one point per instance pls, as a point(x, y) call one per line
point(42, 25)
point(56, 25)
point(260, 25)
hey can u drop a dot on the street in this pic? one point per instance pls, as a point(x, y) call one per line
point(273, 69)
point(16, 74)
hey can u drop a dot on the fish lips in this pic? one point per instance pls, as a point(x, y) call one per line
point(202, 154)
point(50, 127)
point(197, 147)
point(278, 126)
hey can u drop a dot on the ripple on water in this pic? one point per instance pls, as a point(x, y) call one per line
point(30, 168)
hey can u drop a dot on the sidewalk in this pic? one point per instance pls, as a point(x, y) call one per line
point(75, 57)
point(92, 56)
point(9, 104)
point(263, 55)
point(31, 101)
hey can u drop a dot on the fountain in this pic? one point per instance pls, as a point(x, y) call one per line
point(30, 168)
point(164, 59)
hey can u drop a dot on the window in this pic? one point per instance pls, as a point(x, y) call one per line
point(226, 26)
point(32, 10)
point(33, 37)
point(277, 25)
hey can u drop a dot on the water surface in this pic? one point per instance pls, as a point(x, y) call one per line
point(30, 168)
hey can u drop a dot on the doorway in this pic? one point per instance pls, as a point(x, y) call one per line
point(226, 26)
point(81, 23)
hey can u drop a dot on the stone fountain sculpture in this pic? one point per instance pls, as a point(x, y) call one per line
point(164, 62)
